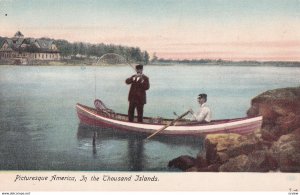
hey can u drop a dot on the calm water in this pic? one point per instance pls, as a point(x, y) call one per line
point(39, 128)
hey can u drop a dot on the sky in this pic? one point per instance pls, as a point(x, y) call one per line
point(260, 30)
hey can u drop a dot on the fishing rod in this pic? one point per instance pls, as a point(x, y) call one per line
point(109, 56)
point(119, 57)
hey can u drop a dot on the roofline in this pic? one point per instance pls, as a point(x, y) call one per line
point(17, 47)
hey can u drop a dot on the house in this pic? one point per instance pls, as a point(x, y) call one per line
point(23, 50)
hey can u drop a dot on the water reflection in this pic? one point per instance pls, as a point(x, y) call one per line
point(140, 153)
point(135, 154)
point(21, 137)
point(94, 144)
point(85, 131)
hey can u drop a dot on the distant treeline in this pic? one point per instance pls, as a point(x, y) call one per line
point(157, 60)
point(132, 54)
point(185, 61)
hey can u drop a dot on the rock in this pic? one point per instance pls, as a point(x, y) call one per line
point(270, 133)
point(247, 144)
point(221, 147)
point(192, 169)
point(216, 143)
point(213, 168)
point(210, 168)
point(286, 151)
point(183, 162)
point(202, 166)
point(296, 133)
point(201, 162)
point(223, 157)
point(258, 161)
point(237, 164)
point(261, 161)
point(280, 111)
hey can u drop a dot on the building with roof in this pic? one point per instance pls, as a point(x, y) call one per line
point(25, 50)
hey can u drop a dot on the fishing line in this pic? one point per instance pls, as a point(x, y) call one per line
point(110, 59)
point(115, 58)
point(95, 80)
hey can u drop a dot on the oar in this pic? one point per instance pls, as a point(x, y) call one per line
point(171, 123)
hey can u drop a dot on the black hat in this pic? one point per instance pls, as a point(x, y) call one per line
point(202, 95)
point(139, 67)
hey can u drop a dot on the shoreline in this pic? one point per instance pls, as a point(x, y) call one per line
point(229, 64)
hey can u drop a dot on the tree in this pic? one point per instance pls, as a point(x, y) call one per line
point(75, 49)
point(146, 57)
point(64, 47)
point(19, 35)
point(154, 58)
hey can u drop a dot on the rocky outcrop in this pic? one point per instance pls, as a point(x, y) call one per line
point(257, 161)
point(217, 144)
point(233, 152)
point(276, 147)
point(280, 111)
point(286, 151)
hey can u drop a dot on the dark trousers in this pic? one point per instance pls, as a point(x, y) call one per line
point(140, 110)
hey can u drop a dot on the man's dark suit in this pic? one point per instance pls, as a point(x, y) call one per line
point(137, 95)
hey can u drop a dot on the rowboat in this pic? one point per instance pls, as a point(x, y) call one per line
point(104, 117)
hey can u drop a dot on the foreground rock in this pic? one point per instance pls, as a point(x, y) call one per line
point(233, 152)
point(280, 111)
point(286, 151)
point(275, 147)
point(183, 162)
point(257, 161)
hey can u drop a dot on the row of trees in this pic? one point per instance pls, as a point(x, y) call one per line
point(156, 59)
point(162, 61)
point(132, 54)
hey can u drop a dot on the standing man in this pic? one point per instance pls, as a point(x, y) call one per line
point(137, 94)
point(204, 113)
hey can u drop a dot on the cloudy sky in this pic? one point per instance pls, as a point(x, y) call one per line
point(178, 29)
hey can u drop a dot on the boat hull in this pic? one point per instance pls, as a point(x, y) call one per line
point(91, 117)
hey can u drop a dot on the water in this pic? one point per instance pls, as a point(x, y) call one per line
point(39, 128)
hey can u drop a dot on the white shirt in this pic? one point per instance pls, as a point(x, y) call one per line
point(203, 114)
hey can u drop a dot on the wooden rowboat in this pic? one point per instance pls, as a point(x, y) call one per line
point(105, 118)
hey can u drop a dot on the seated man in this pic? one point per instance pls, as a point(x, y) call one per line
point(204, 113)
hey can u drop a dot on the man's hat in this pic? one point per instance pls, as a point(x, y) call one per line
point(139, 67)
point(202, 95)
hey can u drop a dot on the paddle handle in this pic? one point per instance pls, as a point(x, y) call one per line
point(171, 123)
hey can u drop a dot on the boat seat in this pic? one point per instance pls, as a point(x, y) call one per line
point(156, 120)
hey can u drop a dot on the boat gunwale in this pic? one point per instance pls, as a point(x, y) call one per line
point(190, 124)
